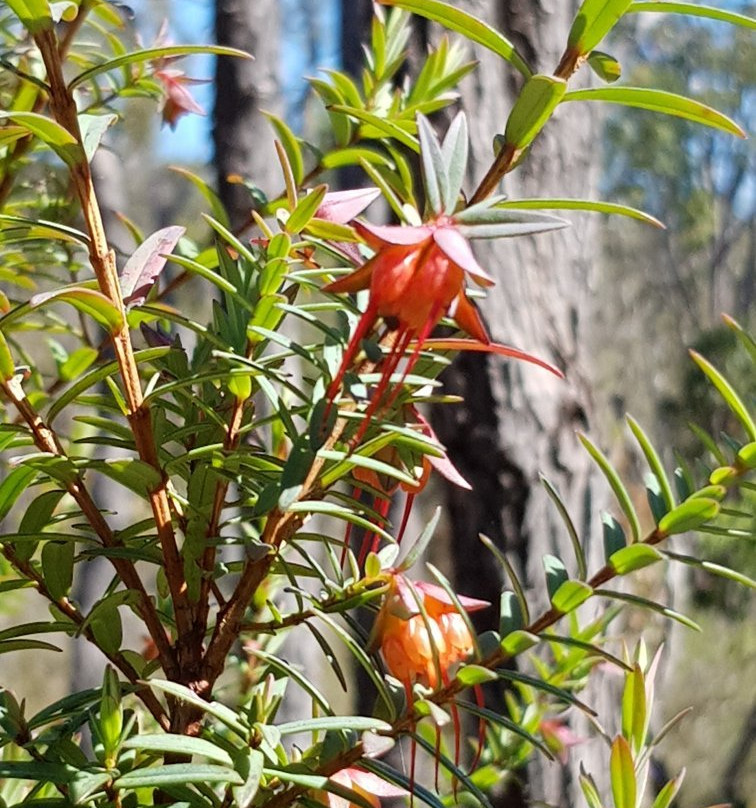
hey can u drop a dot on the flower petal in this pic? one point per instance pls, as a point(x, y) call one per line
point(439, 593)
point(456, 247)
point(466, 315)
point(375, 785)
point(353, 282)
point(379, 235)
point(493, 347)
point(342, 206)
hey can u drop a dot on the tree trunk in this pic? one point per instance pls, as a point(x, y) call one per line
point(518, 421)
point(244, 87)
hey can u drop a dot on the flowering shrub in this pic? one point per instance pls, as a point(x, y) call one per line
point(225, 435)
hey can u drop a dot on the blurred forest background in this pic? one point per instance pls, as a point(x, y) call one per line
point(618, 316)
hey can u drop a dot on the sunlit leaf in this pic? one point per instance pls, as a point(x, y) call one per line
point(463, 23)
point(689, 515)
point(582, 204)
point(154, 54)
point(59, 139)
point(694, 10)
point(594, 20)
point(659, 101)
point(534, 106)
point(633, 557)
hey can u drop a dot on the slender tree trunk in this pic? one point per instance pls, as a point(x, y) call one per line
point(518, 421)
point(244, 88)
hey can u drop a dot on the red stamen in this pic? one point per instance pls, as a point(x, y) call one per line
point(478, 691)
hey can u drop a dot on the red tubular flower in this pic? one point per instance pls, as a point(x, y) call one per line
point(420, 647)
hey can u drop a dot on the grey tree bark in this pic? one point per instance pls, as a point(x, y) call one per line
point(244, 88)
point(518, 421)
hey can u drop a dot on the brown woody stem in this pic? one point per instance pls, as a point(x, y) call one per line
point(102, 258)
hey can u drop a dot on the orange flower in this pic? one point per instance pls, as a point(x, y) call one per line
point(367, 785)
point(411, 642)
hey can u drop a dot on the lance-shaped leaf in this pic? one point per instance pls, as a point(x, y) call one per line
point(622, 771)
point(635, 712)
point(618, 488)
point(534, 105)
point(57, 567)
point(644, 603)
point(659, 101)
point(291, 146)
point(653, 460)
point(694, 10)
point(595, 206)
point(153, 54)
point(435, 175)
point(633, 557)
point(455, 150)
point(570, 595)
point(305, 209)
point(594, 20)
point(669, 791)
point(568, 523)
point(144, 267)
point(59, 139)
point(180, 745)
point(176, 774)
point(87, 301)
point(726, 390)
point(34, 14)
point(466, 24)
point(689, 515)
point(383, 126)
point(7, 365)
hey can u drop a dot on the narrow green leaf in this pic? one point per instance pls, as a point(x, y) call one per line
point(514, 580)
point(305, 209)
point(577, 547)
point(336, 722)
point(588, 785)
point(463, 23)
point(385, 127)
point(653, 460)
point(224, 714)
point(547, 687)
point(7, 365)
point(418, 547)
point(179, 745)
point(689, 515)
point(695, 10)
point(510, 616)
point(659, 101)
point(176, 774)
point(619, 490)
point(712, 568)
point(594, 20)
point(34, 14)
point(622, 772)
point(14, 484)
point(534, 105)
point(593, 650)
point(59, 139)
point(43, 229)
point(455, 152)
point(634, 709)
point(570, 595)
point(57, 567)
point(518, 641)
point(556, 573)
point(644, 603)
point(391, 775)
point(728, 393)
point(633, 557)
point(512, 726)
point(747, 455)
point(216, 206)
point(11, 646)
point(97, 375)
point(36, 771)
point(87, 301)
point(435, 177)
point(291, 146)
point(669, 791)
point(153, 54)
point(470, 675)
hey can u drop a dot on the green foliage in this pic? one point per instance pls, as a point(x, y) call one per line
point(277, 399)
